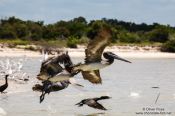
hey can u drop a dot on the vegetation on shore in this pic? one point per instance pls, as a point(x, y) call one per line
point(15, 31)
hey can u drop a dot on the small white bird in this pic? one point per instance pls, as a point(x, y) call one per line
point(7, 63)
point(9, 71)
point(20, 65)
point(12, 67)
point(44, 56)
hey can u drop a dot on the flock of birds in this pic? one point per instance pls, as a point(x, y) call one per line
point(56, 72)
point(12, 69)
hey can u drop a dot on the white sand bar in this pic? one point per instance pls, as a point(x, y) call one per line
point(13, 52)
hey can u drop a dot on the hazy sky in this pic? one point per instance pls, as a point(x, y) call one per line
point(51, 11)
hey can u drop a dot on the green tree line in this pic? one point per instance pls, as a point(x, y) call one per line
point(78, 30)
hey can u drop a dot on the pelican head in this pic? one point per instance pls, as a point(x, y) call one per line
point(105, 97)
point(111, 56)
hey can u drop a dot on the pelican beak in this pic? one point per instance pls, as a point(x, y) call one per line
point(119, 58)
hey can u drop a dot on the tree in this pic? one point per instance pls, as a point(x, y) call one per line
point(159, 34)
point(21, 30)
point(169, 46)
point(128, 37)
point(62, 30)
point(35, 30)
point(77, 27)
point(7, 31)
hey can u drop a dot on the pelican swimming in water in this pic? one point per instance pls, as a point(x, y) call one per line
point(94, 51)
point(93, 102)
point(4, 87)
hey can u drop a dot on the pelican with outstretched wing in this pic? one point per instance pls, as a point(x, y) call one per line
point(51, 69)
point(55, 77)
point(94, 51)
point(93, 102)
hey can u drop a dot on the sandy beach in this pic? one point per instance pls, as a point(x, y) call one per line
point(124, 51)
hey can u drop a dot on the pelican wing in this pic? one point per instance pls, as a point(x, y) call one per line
point(101, 98)
point(52, 66)
point(97, 45)
point(92, 76)
point(97, 106)
point(54, 87)
point(60, 59)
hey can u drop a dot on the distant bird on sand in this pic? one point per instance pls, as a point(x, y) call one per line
point(4, 87)
point(94, 51)
point(93, 102)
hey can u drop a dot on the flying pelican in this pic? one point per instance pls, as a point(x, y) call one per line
point(93, 102)
point(52, 87)
point(49, 86)
point(93, 60)
point(3, 87)
point(51, 69)
point(52, 72)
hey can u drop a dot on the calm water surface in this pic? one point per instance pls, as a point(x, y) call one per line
point(129, 85)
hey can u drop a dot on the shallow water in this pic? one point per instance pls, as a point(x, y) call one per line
point(129, 85)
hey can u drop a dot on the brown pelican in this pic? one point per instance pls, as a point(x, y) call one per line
point(93, 102)
point(93, 60)
point(49, 86)
point(3, 87)
point(52, 72)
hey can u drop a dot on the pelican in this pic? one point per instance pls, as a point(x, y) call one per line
point(4, 87)
point(51, 87)
point(94, 51)
point(93, 102)
point(52, 70)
